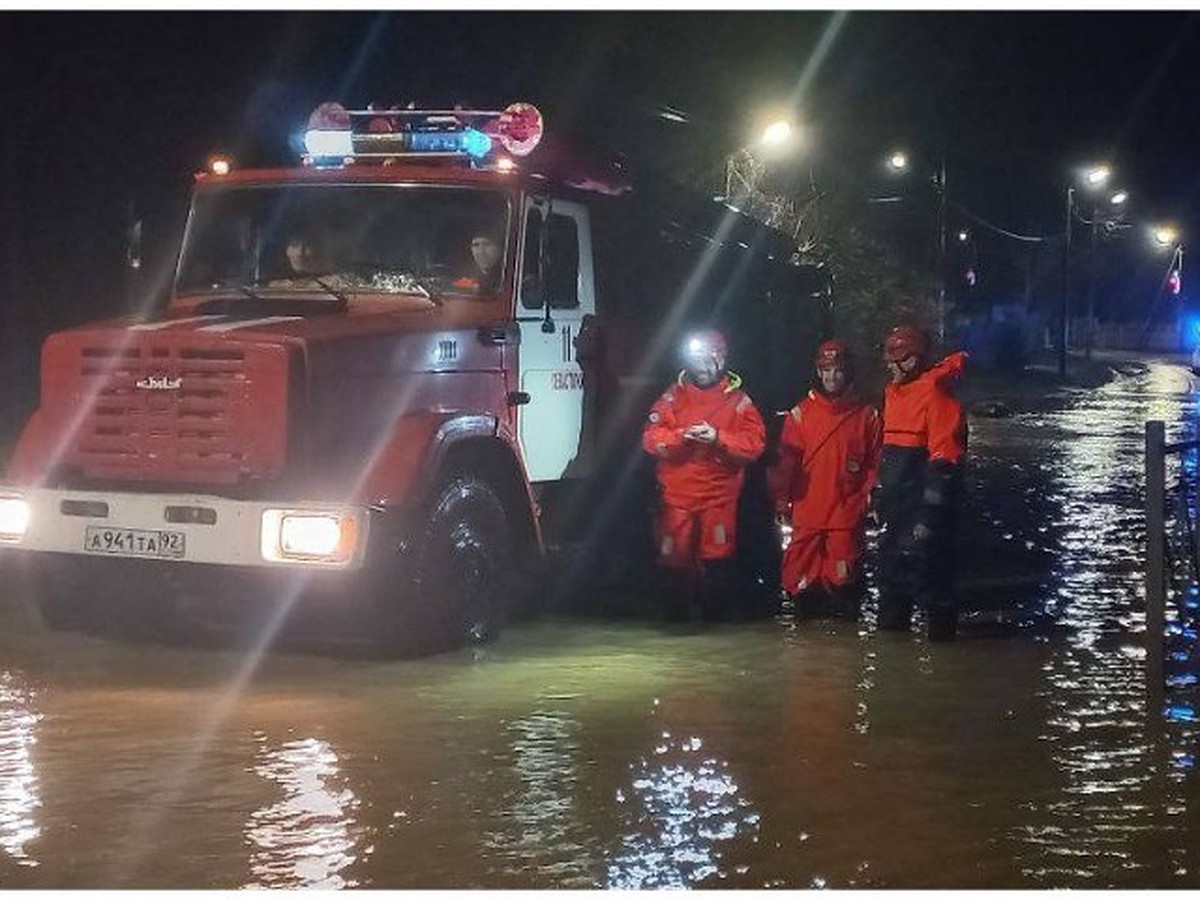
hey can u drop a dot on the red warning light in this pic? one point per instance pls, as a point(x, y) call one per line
point(518, 128)
point(329, 117)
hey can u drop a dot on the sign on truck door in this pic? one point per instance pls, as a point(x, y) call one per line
point(550, 309)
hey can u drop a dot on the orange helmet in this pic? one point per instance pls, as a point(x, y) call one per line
point(904, 341)
point(833, 354)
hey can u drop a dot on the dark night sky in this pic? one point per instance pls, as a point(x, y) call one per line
point(102, 109)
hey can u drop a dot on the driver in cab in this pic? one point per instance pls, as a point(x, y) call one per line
point(487, 256)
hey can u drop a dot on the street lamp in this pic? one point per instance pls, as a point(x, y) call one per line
point(1094, 177)
point(1165, 235)
point(776, 134)
point(745, 170)
point(1097, 176)
point(897, 163)
point(1116, 201)
point(1167, 238)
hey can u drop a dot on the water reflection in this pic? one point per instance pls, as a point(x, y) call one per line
point(308, 838)
point(543, 835)
point(20, 796)
point(681, 805)
point(1096, 723)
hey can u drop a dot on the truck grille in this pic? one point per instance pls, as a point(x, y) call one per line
point(170, 410)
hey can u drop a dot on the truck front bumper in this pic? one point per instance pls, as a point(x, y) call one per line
point(185, 528)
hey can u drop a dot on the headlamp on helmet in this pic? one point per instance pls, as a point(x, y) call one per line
point(704, 355)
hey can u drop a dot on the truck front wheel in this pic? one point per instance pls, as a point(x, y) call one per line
point(463, 563)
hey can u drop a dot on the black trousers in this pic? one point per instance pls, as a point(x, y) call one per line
point(917, 572)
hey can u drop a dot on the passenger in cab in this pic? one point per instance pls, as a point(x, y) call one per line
point(306, 255)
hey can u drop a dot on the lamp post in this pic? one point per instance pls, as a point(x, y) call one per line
point(745, 170)
point(897, 163)
point(1165, 238)
point(1094, 177)
point(1116, 201)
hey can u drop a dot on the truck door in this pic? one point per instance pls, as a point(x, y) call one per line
point(557, 291)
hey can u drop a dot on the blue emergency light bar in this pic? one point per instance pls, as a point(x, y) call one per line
point(337, 135)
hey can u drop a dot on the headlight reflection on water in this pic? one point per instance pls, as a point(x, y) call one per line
point(307, 839)
point(678, 813)
point(20, 796)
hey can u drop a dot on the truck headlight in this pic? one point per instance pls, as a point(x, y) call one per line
point(297, 536)
point(14, 519)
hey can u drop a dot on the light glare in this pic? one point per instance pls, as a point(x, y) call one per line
point(320, 537)
point(1097, 175)
point(1165, 235)
point(777, 133)
point(14, 518)
point(323, 143)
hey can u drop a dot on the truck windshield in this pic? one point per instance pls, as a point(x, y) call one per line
point(348, 238)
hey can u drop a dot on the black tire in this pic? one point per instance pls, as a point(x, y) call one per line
point(463, 566)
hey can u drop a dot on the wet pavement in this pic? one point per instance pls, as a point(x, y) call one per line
point(632, 755)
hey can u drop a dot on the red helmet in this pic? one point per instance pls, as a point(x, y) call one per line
point(905, 341)
point(833, 354)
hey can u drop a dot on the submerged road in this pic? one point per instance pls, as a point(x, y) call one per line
point(576, 754)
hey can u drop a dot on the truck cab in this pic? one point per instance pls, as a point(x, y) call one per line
point(365, 367)
point(375, 372)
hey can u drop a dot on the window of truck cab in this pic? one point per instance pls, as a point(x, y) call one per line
point(355, 238)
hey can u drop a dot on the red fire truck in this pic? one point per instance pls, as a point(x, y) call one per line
point(374, 372)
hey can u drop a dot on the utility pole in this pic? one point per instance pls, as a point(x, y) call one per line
point(1091, 321)
point(1065, 310)
point(942, 251)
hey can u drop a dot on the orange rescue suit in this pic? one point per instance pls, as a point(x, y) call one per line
point(828, 454)
point(920, 488)
point(923, 414)
point(701, 483)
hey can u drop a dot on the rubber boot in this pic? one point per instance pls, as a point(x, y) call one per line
point(720, 599)
point(942, 625)
point(895, 612)
point(675, 593)
point(845, 601)
point(812, 603)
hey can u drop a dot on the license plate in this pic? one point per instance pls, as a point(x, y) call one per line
point(134, 542)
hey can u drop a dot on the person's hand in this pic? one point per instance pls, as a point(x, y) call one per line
point(921, 533)
point(702, 433)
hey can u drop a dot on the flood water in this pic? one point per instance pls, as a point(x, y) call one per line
point(633, 755)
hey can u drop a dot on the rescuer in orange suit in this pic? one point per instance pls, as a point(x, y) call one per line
point(920, 485)
point(828, 454)
point(703, 431)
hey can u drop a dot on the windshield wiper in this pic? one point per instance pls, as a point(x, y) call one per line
point(332, 291)
point(422, 289)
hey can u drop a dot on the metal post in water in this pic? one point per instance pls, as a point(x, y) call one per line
point(1156, 593)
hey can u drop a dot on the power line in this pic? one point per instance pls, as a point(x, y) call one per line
point(1028, 238)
